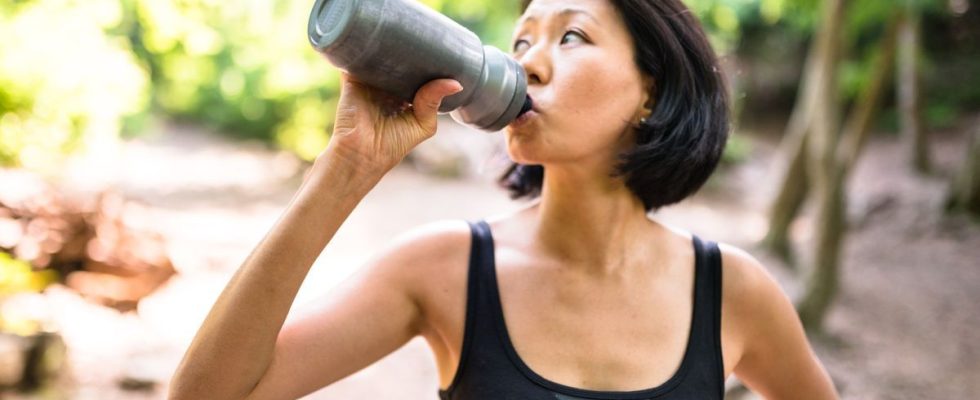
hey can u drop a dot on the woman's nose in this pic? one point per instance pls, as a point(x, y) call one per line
point(535, 64)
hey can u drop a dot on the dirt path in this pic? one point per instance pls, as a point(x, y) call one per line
point(903, 328)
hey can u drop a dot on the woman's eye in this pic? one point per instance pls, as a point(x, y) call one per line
point(572, 34)
point(518, 43)
point(521, 44)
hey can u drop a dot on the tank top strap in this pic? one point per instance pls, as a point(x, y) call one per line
point(480, 345)
point(481, 279)
point(707, 313)
point(481, 301)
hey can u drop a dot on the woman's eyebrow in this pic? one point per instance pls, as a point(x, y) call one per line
point(563, 12)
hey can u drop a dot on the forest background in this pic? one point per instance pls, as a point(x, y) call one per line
point(861, 117)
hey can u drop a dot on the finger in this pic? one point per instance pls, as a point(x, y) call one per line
point(429, 97)
point(346, 77)
point(351, 91)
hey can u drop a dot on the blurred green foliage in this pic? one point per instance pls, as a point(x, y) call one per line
point(17, 276)
point(248, 68)
point(78, 73)
point(64, 83)
point(245, 67)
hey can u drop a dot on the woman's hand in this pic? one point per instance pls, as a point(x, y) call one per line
point(375, 130)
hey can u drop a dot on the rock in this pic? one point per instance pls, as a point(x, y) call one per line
point(84, 238)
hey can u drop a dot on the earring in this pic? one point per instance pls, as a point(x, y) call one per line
point(643, 121)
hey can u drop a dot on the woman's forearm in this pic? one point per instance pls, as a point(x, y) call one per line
point(236, 342)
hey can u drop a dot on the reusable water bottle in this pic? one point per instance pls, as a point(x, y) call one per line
point(399, 45)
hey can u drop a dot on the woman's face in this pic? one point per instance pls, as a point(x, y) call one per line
point(586, 87)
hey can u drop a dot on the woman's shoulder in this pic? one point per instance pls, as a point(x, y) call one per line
point(755, 307)
point(742, 273)
point(433, 241)
point(428, 260)
point(745, 280)
point(771, 342)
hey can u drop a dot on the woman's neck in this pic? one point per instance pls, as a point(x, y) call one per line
point(588, 220)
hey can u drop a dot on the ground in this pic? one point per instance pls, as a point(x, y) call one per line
point(903, 326)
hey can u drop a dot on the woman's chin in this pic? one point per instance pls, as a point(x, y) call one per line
point(522, 153)
point(530, 148)
point(525, 157)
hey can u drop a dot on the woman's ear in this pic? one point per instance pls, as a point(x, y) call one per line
point(649, 97)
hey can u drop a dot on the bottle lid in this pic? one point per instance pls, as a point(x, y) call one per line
point(329, 20)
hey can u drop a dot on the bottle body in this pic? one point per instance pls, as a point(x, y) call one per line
point(399, 45)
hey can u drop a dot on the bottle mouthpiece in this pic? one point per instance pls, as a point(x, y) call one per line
point(528, 104)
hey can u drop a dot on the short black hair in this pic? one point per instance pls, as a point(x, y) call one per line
point(681, 142)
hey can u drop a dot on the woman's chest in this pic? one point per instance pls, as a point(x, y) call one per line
point(603, 335)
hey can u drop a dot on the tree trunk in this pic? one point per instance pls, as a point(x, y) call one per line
point(835, 163)
point(789, 201)
point(824, 278)
point(965, 193)
point(859, 123)
point(793, 183)
point(909, 88)
point(822, 166)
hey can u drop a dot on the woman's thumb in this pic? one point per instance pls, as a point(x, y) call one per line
point(429, 97)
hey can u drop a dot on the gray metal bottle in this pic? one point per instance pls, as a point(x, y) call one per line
point(399, 45)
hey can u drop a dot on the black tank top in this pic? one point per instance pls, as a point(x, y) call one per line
point(490, 368)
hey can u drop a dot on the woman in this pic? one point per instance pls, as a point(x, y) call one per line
point(600, 302)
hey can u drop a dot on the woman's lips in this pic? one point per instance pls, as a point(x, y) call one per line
point(524, 119)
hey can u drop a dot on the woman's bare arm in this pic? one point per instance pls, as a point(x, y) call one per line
point(238, 347)
point(777, 361)
point(235, 345)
